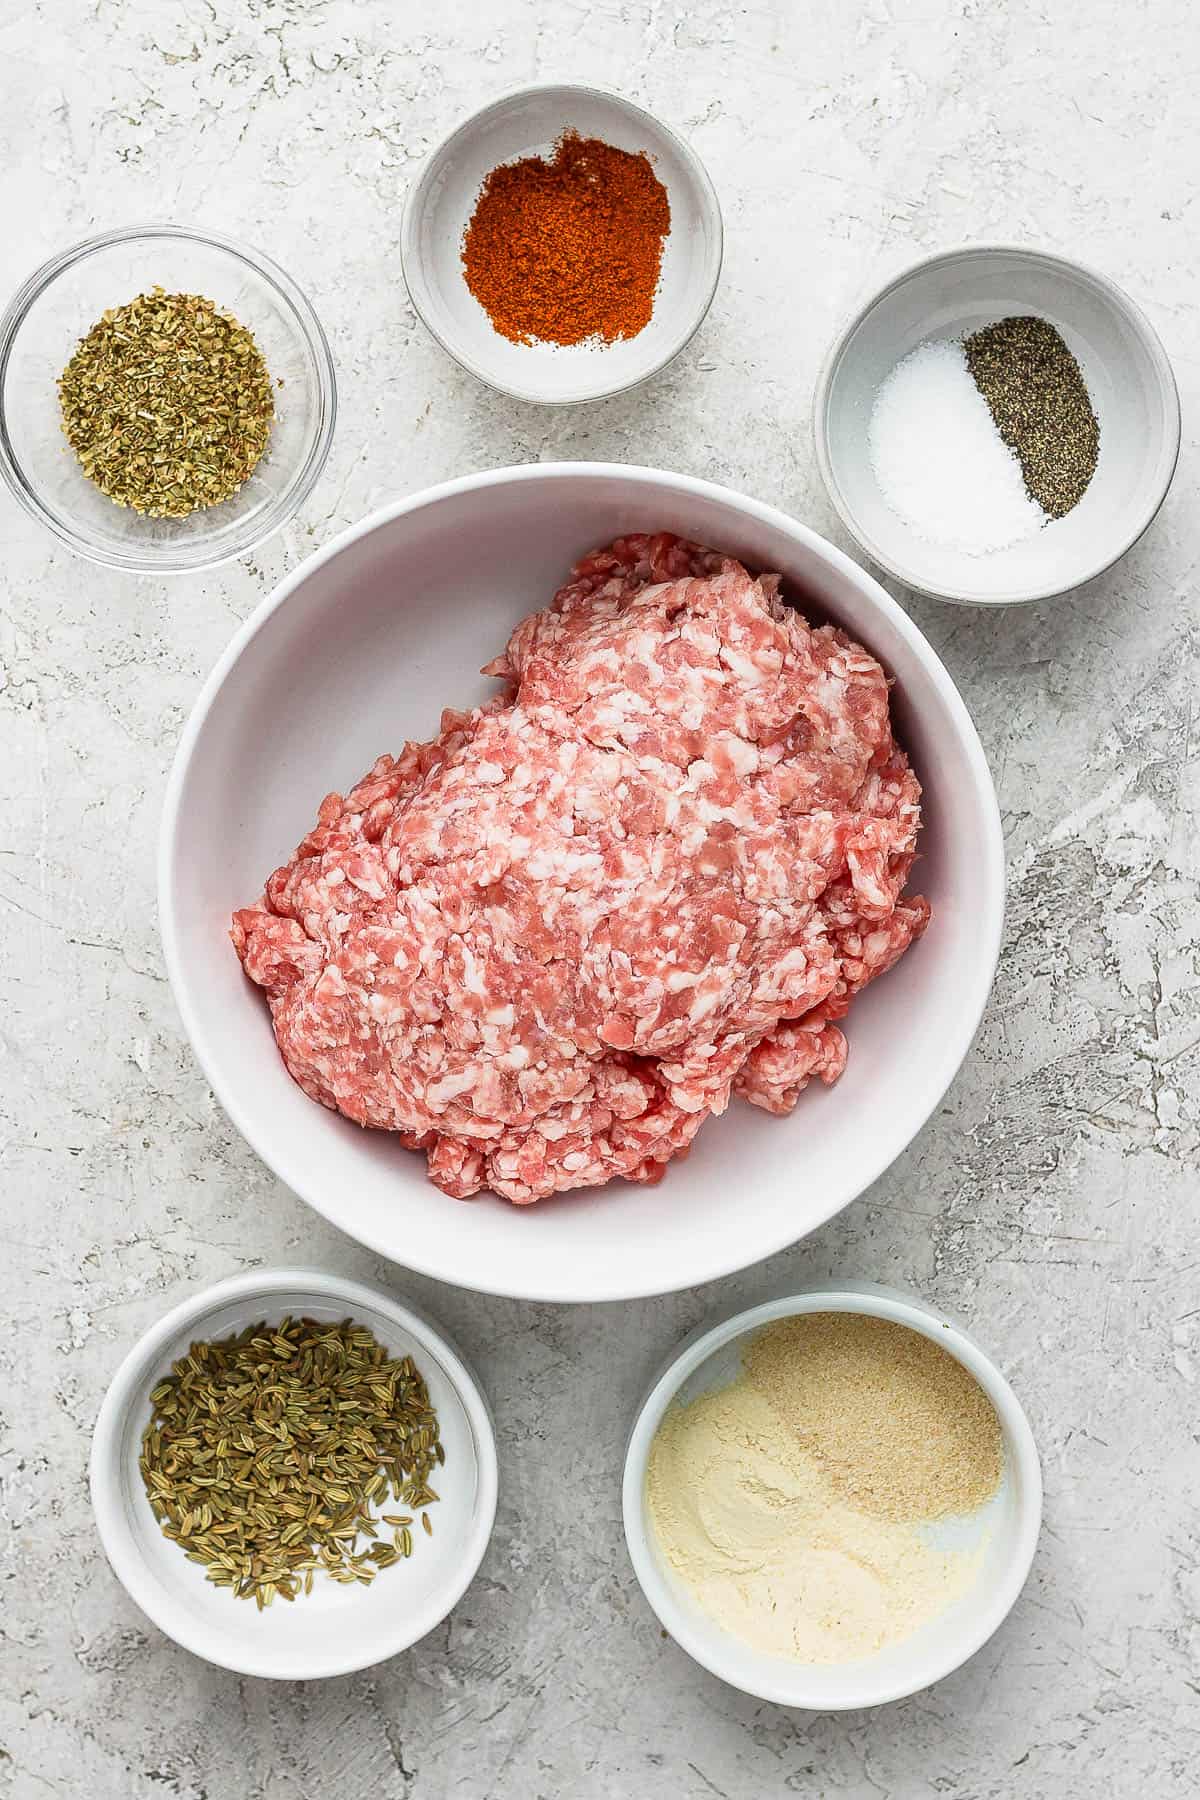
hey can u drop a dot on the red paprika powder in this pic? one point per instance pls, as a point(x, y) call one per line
point(571, 248)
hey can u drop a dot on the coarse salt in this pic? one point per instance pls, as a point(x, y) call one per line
point(940, 462)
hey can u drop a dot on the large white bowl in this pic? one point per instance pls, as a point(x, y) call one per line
point(359, 649)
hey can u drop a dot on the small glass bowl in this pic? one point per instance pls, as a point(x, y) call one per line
point(61, 302)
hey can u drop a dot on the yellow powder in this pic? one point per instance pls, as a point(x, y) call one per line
point(768, 1533)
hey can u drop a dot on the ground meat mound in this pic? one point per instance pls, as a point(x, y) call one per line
point(653, 872)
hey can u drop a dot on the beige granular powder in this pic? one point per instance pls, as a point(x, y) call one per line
point(901, 1428)
point(799, 1529)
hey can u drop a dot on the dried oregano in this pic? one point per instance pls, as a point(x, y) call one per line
point(167, 403)
point(266, 1453)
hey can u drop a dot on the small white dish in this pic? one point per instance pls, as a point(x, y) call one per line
point(336, 1628)
point(1129, 379)
point(710, 1359)
point(438, 209)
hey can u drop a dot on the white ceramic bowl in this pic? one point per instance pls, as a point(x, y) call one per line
point(337, 1627)
point(438, 209)
point(1132, 389)
point(60, 303)
point(1010, 1522)
point(360, 648)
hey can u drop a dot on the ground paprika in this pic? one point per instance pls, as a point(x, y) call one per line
point(571, 248)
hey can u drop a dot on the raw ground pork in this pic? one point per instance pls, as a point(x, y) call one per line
point(652, 873)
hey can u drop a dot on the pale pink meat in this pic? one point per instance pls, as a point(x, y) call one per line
point(546, 946)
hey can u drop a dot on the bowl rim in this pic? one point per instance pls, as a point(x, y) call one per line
point(128, 1387)
point(306, 477)
point(831, 364)
point(878, 1301)
point(990, 925)
point(412, 263)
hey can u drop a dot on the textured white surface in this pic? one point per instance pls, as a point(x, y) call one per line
point(1053, 1202)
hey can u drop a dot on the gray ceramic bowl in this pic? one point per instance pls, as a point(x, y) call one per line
point(442, 199)
point(1128, 376)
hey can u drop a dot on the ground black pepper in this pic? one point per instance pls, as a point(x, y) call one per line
point(1039, 400)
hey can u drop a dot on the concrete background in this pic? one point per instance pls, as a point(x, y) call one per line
point(1053, 1201)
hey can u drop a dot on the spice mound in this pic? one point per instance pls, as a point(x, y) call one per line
point(651, 874)
point(978, 443)
point(568, 249)
point(167, 404)
point(268, 1452)
point(1038, 398)
point(796, 1504)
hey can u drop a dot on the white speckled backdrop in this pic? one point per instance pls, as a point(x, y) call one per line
point(1052, 1203)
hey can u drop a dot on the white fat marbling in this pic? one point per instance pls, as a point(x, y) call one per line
point(1053, 1201)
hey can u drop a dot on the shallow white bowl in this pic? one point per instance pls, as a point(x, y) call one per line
point(438, 209)
point(360, 648)
point(337, 1627)
point(1132, 389)
point(711, 1359)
